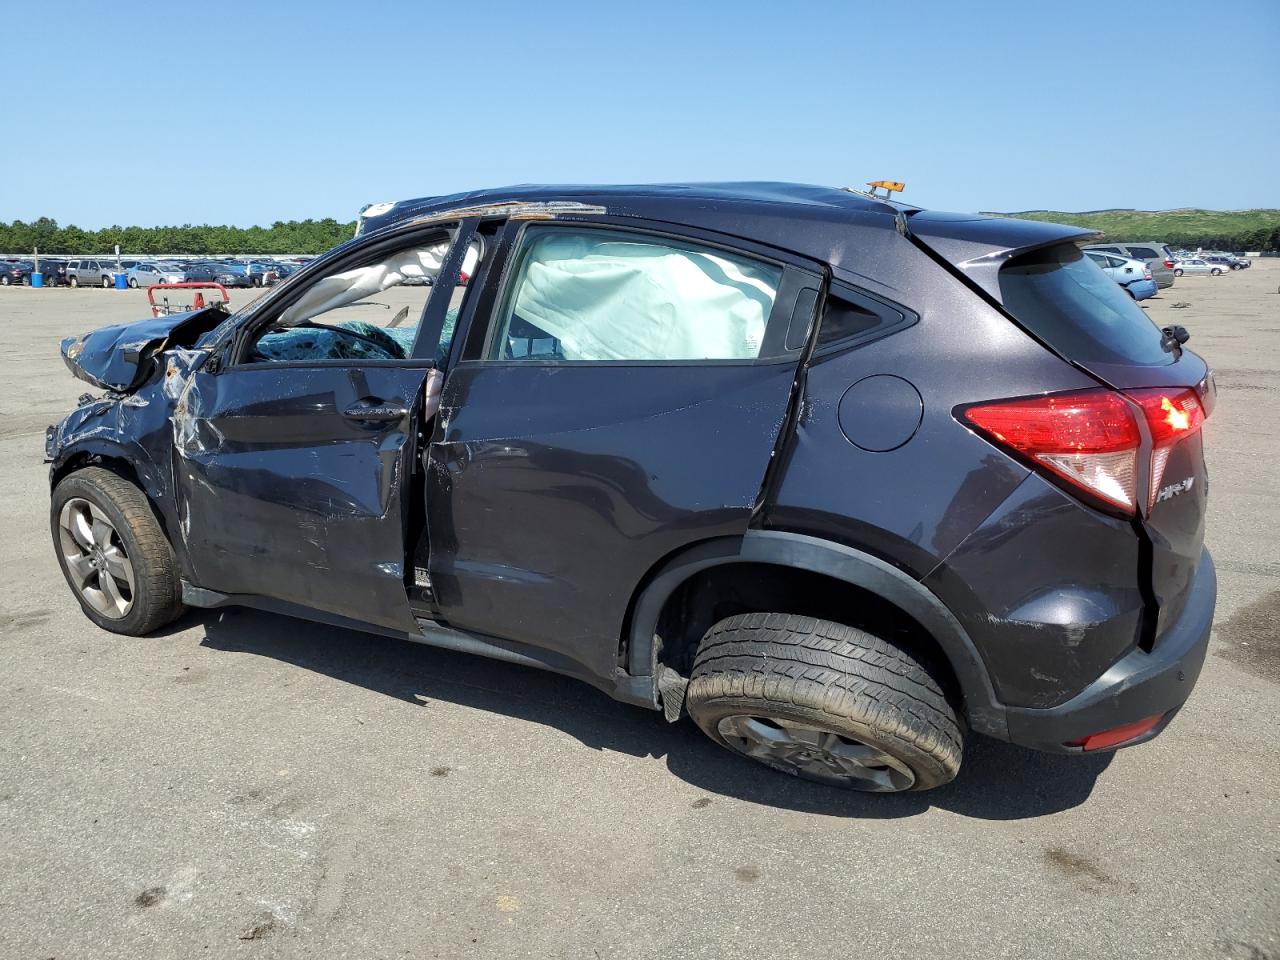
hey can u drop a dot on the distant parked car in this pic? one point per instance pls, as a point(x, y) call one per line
point(53, 272)
point(215, 272)
point(263, 273)
point(146, 274)
point(1131, 274)
point(98, 273)
point(1157, 256)
point(1223, 260)
point(1197, 265)
point(15, 273)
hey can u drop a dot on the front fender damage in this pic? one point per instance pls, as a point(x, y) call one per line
point(118, 358)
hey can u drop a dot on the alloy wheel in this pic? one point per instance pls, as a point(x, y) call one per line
point(815, 753)
point(95, 557)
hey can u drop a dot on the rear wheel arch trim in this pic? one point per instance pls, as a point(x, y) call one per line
point(781, 548)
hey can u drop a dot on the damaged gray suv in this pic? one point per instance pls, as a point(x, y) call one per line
point(844, 480)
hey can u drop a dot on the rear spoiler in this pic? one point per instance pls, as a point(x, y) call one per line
point(978, 246)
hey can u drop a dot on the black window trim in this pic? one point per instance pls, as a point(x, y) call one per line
point(894, 317)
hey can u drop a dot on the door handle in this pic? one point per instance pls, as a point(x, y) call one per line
point(375, 411)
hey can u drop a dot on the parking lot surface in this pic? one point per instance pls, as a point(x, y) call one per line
point(251, 785)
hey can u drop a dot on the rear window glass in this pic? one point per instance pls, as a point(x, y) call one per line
point(1143, 253)
point(1062, 297)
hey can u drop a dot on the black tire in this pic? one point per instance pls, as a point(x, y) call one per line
point(106, 283)
point(1177, 273)
point(807, 672)
point(73, 282)
point(133, 282)
point(157, 594)
point(1216, 272)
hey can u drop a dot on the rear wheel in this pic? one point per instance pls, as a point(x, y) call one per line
point(1216, 272)
point(824, 701)
point(116, 559)
point(73, 282)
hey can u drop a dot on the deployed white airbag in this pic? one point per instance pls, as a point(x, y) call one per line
point(606, 299)
point(351, 286)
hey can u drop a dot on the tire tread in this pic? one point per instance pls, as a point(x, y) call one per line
point(795, 662)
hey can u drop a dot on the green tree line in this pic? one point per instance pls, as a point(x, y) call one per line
point(1191, 228)
point(1248, 230)
point(291, 236)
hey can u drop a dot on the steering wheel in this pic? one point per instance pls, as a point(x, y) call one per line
point(375, 336)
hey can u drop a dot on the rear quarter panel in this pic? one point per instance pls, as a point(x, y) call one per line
point(925, 506)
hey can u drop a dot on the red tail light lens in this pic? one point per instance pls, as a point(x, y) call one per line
point(1172, 416)
point(1089, 439)
point(1168, 264)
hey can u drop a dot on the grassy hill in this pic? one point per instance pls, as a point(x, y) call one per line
point(1233, 229)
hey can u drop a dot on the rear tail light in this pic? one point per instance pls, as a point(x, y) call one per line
point(1168, 264)
point(1172, 416)
point(1091, 439)
point(1088, 439)
point(1146, 273)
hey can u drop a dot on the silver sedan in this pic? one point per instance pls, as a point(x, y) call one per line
point(1196, 265)
point(146, 274)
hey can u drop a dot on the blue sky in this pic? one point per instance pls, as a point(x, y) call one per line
point(248, 113)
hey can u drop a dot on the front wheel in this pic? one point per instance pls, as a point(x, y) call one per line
point(825, 702)
point(4, 281)
point(1216, 272)
point(106, 283)
point(133, 282)
point(1177, 273)
point(115, 557)
point(73, 282)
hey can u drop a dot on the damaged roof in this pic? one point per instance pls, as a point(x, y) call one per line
point(814, 220)
point(651, 199)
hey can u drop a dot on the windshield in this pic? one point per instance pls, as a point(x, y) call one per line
point(1062, 296)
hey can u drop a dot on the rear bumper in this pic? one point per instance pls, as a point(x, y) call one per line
point(1139, 685)
point(1142, 289)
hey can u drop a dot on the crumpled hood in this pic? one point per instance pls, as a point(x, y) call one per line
point(116, 357)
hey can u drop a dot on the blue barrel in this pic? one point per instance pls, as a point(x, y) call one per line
point(122, 282)
point(37, 279)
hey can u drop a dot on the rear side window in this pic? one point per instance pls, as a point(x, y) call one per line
point(1065, 300)
point(852, 317)
point(608, 296)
